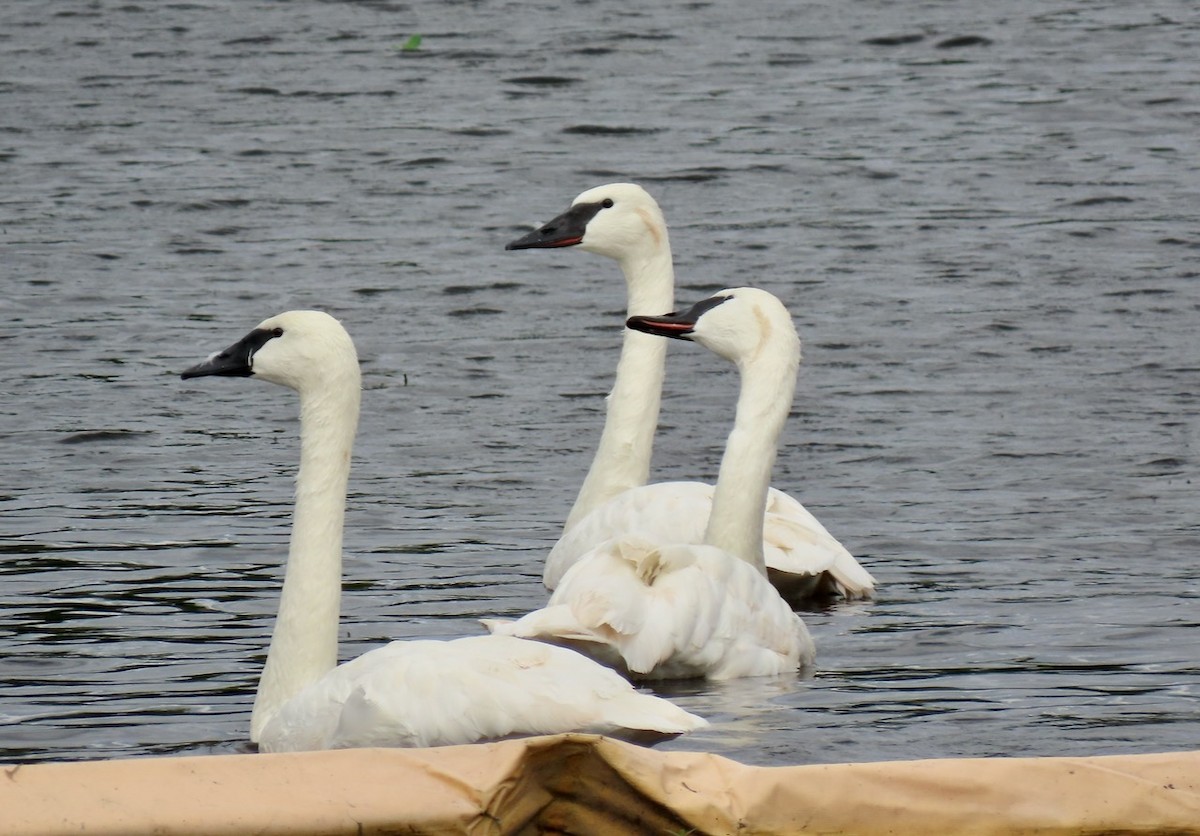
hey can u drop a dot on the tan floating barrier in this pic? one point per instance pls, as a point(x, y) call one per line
point(583, 784)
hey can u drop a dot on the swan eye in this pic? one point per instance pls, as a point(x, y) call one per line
point(607, 203)
point(277, 332)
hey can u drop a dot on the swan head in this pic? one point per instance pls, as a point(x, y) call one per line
point(618, 220)
point(736, 323)
point(303, 350)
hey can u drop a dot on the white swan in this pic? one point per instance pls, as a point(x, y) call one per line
point(622, 221)
point(410, 693)
point(661, 608)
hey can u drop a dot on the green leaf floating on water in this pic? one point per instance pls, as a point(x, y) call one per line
point(412, 44)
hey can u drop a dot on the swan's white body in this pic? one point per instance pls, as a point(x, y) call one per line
point(803, 559)
point(665, 608)
point(432, 693)
point(416, 693)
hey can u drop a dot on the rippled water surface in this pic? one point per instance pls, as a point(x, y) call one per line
point(983, 216)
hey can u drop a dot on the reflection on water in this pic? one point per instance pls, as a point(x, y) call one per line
point(984, 223)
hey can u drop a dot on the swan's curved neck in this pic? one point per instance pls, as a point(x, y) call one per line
point(740, 498)
point(305, 639)
point(622, 459)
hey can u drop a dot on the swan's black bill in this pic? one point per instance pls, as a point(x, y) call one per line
point(235, 361)
point(564, 231)
point(678, 324)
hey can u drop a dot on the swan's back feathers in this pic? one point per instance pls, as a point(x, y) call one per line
point(432, 693)
point(670, 611)
point(794, 541)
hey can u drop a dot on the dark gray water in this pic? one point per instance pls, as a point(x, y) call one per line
point(985, 218)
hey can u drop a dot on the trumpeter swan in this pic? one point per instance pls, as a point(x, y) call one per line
point(407, 693)
point(661, 608)
point(622, 221)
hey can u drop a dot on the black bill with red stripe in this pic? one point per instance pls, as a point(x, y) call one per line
point(564, 231)
point(678, 324)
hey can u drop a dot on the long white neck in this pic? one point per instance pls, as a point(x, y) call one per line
point(622, 459)
point(736, 521)
point(305, 639)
